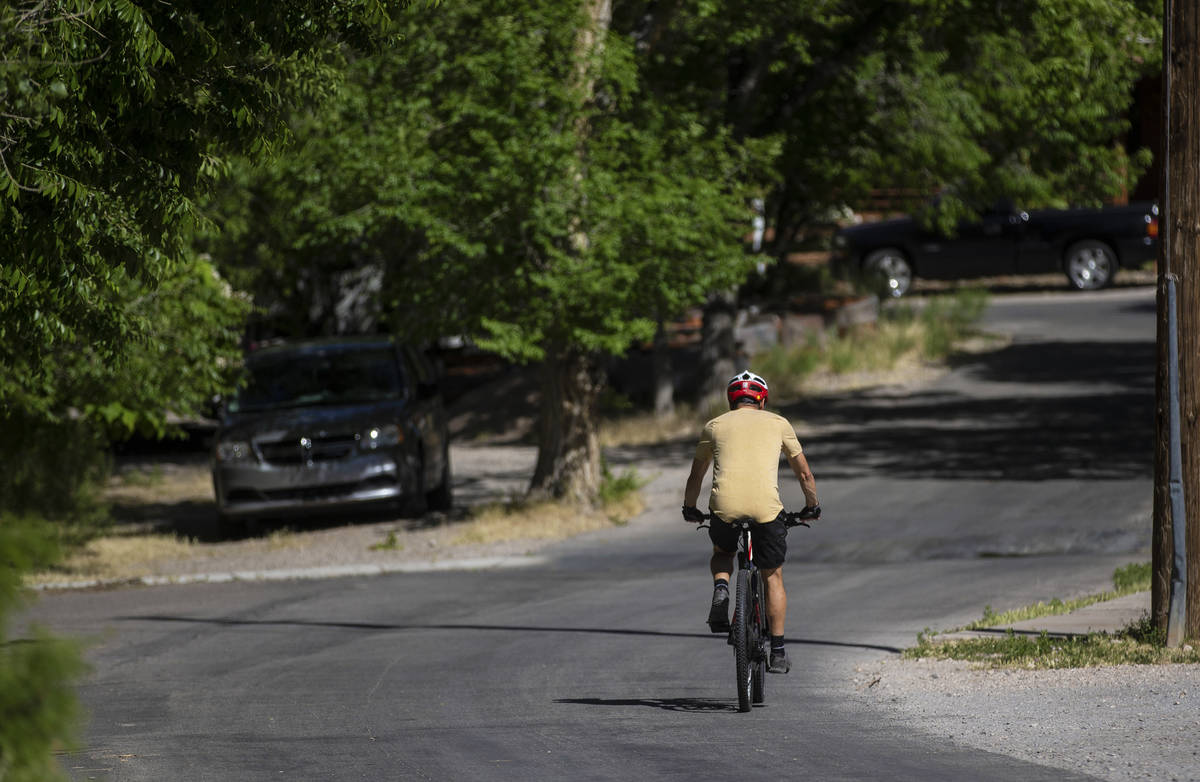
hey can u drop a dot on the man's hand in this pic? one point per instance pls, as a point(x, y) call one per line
point(812, 512)
point(692, 514)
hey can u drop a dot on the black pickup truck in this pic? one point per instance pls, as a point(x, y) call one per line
point(1088, 245)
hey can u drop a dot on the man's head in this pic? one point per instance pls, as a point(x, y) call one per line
point(746, 388)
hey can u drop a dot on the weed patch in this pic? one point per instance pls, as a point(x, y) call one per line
point(1137, 644)
point(615, 489)
point(390, 543)
point(1140, 643)
point(1127, 580)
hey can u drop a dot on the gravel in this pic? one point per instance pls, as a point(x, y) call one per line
point(1116, 723)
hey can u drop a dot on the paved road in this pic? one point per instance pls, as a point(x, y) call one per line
point(1020, 476)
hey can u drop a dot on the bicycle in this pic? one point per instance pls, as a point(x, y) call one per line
point(749, 633)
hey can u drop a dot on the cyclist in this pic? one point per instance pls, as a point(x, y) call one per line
point(743, 446)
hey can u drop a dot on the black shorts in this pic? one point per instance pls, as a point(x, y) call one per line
point(769, 540)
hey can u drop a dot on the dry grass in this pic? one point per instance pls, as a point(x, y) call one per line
point(118, 557)
point(161, 484)
point(128, 555)
point(650, 428)
point(132, 550)
point(515, 520)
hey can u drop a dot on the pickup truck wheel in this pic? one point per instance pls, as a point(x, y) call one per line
point(891, 270)
point(1090, 265)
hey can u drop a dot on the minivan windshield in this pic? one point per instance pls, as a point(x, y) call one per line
point(337, 376)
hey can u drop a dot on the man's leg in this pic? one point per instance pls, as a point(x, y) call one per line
point(721, 566)
point(776, 615)
point(776, 599)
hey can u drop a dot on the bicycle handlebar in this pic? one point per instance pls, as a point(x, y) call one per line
point(798, 518)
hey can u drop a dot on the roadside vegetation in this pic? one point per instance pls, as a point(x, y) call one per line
point(1127, 580)
point(907, 335)
point(1140, 643)
point(520, 518)
point(909, 338)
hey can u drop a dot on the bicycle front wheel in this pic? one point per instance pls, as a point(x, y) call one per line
point(741, 640)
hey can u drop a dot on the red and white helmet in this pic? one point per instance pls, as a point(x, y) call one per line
point(746, 384)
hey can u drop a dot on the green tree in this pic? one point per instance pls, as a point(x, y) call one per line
point(37, 702)
point(116, 115)
point(509, 180)
point(1026, 100)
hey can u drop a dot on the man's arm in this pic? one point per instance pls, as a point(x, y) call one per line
point(808, 483)
point(692, 492)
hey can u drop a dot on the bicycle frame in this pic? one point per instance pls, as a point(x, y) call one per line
point(749, 632)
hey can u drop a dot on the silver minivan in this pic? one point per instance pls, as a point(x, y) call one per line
point(332, 424)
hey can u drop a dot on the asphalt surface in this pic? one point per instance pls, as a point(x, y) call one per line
point(1022, 475)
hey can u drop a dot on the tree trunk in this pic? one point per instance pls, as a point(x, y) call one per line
point(568, 462)
point(1180, 265)
point(664, 374)
point(718, 345)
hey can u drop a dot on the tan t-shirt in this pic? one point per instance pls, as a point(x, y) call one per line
point(744, 445)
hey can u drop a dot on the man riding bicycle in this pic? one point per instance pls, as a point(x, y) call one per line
point(743, 446)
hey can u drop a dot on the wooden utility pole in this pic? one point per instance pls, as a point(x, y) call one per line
point(1177, 457)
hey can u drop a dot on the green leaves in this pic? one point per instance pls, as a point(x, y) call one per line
point(117, 114)
point(494, 198)
point(1028, 101)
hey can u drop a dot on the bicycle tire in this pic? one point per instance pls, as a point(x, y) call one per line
point(741, 640)
point(758, 642)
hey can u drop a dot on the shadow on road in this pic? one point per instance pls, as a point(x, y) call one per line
point(388, 627)
point(1101, 428)
point(706, 705)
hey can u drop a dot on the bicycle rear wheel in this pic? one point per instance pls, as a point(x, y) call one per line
point(741, 640)
point(757, 628)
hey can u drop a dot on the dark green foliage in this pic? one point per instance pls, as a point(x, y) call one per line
point(38, 713)
point(116, 115)
point(60, 465)
point(974, 100)
point(492, 195)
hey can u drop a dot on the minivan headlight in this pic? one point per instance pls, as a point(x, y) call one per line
point(381, 437)
point(234, 451)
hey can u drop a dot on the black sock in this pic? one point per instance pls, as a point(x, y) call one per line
point(721, 583)
point(776, 643)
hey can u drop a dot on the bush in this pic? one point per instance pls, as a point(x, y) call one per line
point(38, 710)
point(53, 469)
point(48, 502)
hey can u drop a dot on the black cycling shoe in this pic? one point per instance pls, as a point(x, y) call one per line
point(779, 662)
point(718, 615)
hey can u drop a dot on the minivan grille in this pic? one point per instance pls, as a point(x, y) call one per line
point(311, 449)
